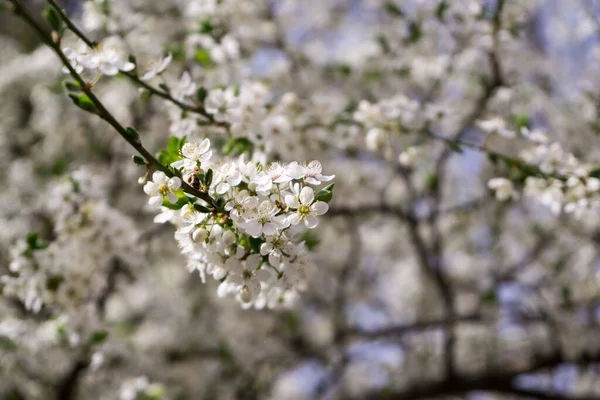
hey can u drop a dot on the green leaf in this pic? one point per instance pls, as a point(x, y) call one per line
point(522, 121)
point(595, 171)
point(60, 166)
point(567, 295)
point(127, 326)
point(393, 9)
point(225, 351)
point(291, 321)
point(310, 240)
point(73, 86)
point(181, 201)
point(53, 18)
point(7, 343)
point(132, 134)
point(208, 177)
point(201, 94)
point(237, 146)
point(97, 338)
point(173, 144)
point(372, 75)
point(34, 242)
point(31, 239)
point(177, 50)
point(325, 194)
point(403, 72)
point(432, 182)
point(441, 9)
point(172, 152)
point(53, 282)
point(489, 297)
point(384, 43)
point(84, 102)
point(255, 244)
point(206, 26)
point(203, 58)
point(493, 158)
point(166, 158)
point(106, 7)
point(343, 69)
point(137, 160)
point(415, 32)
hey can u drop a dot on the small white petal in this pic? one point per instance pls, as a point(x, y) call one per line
point(311, 221)
point(174, 183)
point(307, 195)
point(319, 208)
point(172, 197)
point(155, 201)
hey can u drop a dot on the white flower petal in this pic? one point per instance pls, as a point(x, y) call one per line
point(307, 195)
point(311, 221)
point(319, 208)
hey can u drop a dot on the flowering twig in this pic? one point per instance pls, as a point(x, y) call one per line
point(52, 40)
point(198, 109)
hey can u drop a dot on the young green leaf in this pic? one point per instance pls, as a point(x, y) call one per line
point(53, 18)
point(325, 194)
point(137, 160)
point(201, 94)
point(132, 134)
point(97, 338)
point(181, 201)
point(208, 177)
point(84, 102)
point(203, 58)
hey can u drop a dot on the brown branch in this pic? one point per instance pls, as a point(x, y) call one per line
point(399, 330)
point(496, 381)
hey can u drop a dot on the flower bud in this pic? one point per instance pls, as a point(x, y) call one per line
point(199, 235)
point(245, 294)
point(228, 238)
point(375, 139)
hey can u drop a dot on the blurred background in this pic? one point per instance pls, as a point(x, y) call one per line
point(424, 286)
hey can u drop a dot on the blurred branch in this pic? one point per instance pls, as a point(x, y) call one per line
point(338, 315)
point(67, 387)
point(541, 395)
point(116, 267)
point(365, 210)
point(497, 381)
point(398, 330)
point(545, 240)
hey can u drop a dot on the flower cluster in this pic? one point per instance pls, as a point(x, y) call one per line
point(388, 115)
point(103, 59)
point(88, 237)
point(564, 183)
point(250, 238)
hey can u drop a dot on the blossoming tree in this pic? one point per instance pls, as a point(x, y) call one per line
point(458, 256)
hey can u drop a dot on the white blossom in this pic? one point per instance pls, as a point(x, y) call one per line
point(503, 188)
point(160, 187)
point(156, 67)
point(105, 60)
point(305, 208)
point(222, 104)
